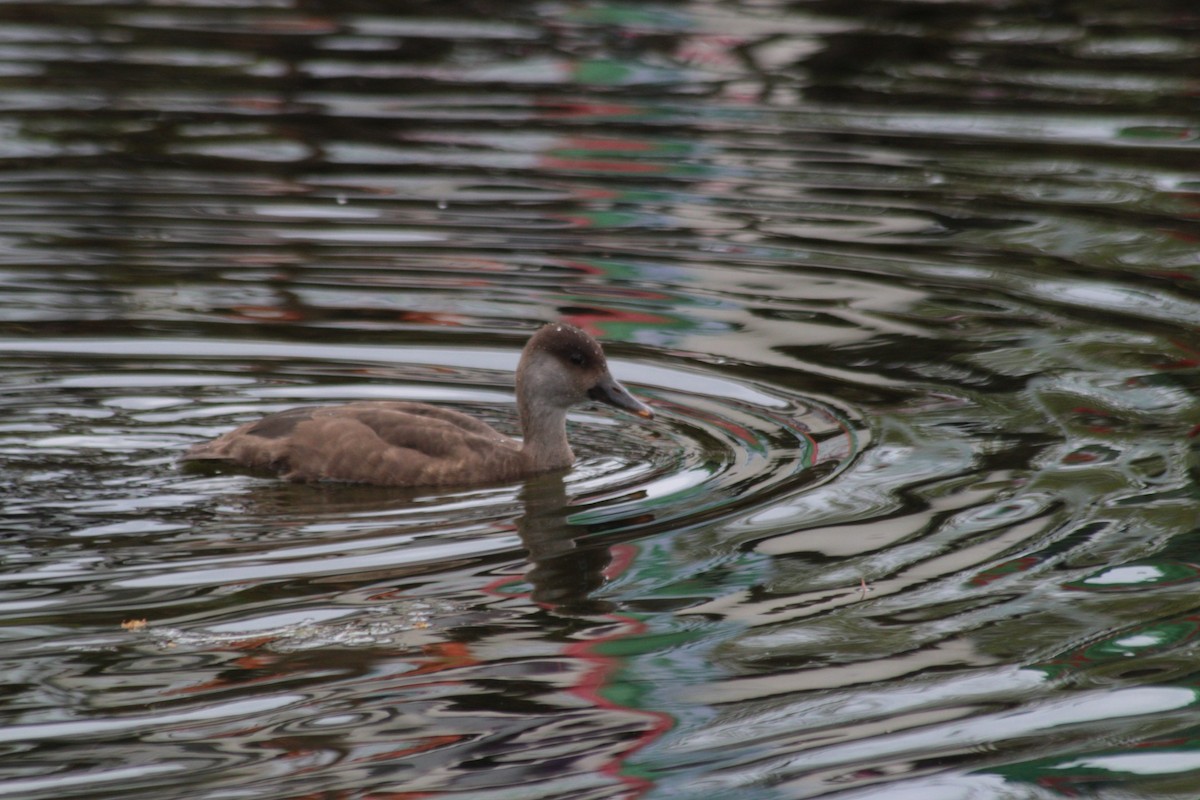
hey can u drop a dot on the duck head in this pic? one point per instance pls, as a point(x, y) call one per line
point(563, 366)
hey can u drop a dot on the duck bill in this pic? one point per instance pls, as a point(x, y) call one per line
point(613, 393)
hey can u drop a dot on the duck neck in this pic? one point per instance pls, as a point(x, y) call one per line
point(545, 432)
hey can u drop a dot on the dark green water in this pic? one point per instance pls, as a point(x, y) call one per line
point(910, 285)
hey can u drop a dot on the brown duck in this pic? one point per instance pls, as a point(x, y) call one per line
point(415, 444)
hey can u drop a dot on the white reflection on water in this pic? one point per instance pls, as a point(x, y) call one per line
point(234, 709)
point(298, 563)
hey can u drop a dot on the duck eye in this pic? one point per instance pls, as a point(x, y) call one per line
point(576, 358)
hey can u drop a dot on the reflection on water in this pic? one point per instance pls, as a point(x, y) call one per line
point(910, 286)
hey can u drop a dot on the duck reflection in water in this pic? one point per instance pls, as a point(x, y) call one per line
point(563, 571)
point(566, 561)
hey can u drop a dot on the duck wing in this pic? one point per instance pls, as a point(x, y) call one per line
point(383, 443)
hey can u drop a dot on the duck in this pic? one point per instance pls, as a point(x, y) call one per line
point(408, 444)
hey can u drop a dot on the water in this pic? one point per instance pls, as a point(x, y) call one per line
point(910, 286)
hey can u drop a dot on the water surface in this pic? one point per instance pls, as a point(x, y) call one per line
point(910, 286)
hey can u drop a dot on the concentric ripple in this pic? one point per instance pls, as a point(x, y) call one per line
point(718, 446)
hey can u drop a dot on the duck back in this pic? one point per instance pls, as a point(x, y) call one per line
point(384, 443)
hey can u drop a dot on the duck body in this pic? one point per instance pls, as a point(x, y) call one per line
point(385, 443)
point(396, 443)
